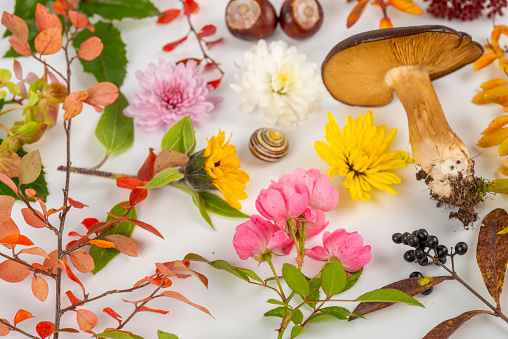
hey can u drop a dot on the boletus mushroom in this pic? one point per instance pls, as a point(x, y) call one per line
point(366, 68)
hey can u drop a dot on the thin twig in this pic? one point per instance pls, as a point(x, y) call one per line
point(21, 262)
point(94, 172)
point(14, 328)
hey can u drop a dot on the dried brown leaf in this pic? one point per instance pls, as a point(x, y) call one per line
point(447, 327)
point(168, 159)
point(123, 244)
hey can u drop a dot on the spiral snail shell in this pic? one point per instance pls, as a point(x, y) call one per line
point(268, 144)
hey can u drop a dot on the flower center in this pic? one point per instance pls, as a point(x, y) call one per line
point(282, 80)
point(172, 97)
point(359, 161)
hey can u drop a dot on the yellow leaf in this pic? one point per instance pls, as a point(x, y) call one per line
point(484, 61)
point(496, 33)
point(102, 243)
point(494, 139)
point(356, 12)
point(479, 99)
point(503, 64)
point(503, 169)
point(493, 83)
point(385, 23)
point(503, 149)
point(405, 6)
point(497, 95)
point(500, 186)
point(496, 124)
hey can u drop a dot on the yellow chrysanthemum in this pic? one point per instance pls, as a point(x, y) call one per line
point(223, 166)
point(359, 154)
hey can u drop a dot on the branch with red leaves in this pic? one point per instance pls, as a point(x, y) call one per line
point(190, 7)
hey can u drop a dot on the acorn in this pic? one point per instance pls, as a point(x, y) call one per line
point(251, 19)
point(268, 144)
point(300, 19)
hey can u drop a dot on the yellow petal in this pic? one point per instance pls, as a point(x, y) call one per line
point(503, 169)
point(496, 124)
point(493, 83)
point(405, 6)
point(497, 95)
point(484, 61)
point(494, 139)
point(479, 99)
point(496, 33)
point(503, 149)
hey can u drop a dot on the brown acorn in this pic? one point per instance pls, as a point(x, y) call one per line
point(300, 19)
point(251, 19)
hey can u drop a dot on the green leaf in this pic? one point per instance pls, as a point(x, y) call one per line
point(102, 256)
point(199, 202)
point(217, 205)
point(164, 335)
point(352, 279)
point(333, 278)
point(297, 317)
point(297, 330)
point(30, 167)
point(389, 295)
point(111, 64)
point(276, 302)
point(280, 312)
point(320, 317)
point(195, 257)
point(499, 186)
point(295, 280)
point(181, 137)
point(114, 130)
point(338, 312)
point(164, 178)
point(249, 273)
point(117, 335)
point(224, 265)
point(118, 9)
point(314, 294)
point(39, 185)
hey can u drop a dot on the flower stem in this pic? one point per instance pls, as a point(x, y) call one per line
point(94, 172)
point(269, 261)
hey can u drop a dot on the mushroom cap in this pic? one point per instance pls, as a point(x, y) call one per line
point(354, 71)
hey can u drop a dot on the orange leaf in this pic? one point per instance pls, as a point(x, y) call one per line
point(479, 99)
point(178, 296)
point(497, 95)
point(102, 243)
point(153, 310)
point(35, 251)
point(40, 288)
point(164, 270)
point(190, 7)
point(496, 124)
point(76, 204)
point(129, 182)
point(68, 330)
point(493, 83)
point(97, 227)
point(496, 33)
point(201, 277)
point(82, 261)
point(45, 328)
point(71, 275)
point(493, 139)
point(484, 61)
point(4, 329)
point(109, 311)
point(137, 195)
point(146, 227)
point(172, 45)
point(6, 203)
point(123, 244)
point(8, 181)
point(22, 315)
point(13, 272)
point(102, 94)
point(385, 23)
point(356, 12)
point(78, 20)
point(30, 193)
point(48, 41)
point(45, 20)
point(91, 48)
point(31, 219)
point(21, 47)
point(7, 228)
point(159, 281)
point(87, 320)
point(168, 16)
point(16, 25)
point(16, 239)
point(72, 298)
point(73, 104)
point(53, 262)
point(55, 210)
point(405, 6)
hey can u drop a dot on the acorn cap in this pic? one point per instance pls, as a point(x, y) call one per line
point(354, 71)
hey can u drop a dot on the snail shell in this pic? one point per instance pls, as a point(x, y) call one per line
point(268, 144)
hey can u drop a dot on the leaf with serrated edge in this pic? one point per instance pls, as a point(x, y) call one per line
point(217, 205)
point(333, 278)
point(492, 252)
point(446, 328)
point(163, 178)
point(119, 9)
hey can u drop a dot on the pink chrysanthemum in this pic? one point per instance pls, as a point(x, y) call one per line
point(171, 92)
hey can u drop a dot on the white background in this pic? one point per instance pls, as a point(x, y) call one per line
point(237, 306)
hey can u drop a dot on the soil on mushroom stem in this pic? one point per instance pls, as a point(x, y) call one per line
point(463, 199)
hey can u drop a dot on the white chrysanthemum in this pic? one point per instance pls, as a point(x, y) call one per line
point(284, 84)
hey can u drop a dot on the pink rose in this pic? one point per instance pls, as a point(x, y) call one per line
point(258, 236)
point(316, 222)
point(323, 196)
point(345, 247)
point(282, 201)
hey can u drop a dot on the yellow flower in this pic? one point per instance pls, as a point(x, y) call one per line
point(223, 166)
point(359, 154)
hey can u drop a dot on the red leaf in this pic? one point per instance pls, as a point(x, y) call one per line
point(4, 329)
point(76, 234)
point(40, 288)
point(73, 104)
point(71, 244)
point(183, 265)
point(172, 45)
point(102, 94)
point(137, 195)
point(109, 311)
point(123, 244)
point(61, 7)
point(178, 296)
point(158, 281)
point(35, 251)
point(146, 171)
point(129, 182)
point(16, 25)
point(72, 298)
point(16, 239)
point(356, 12)
point(146, 227)
point(31, 219)
point(45, 328)
point(6, 203)
point(184, 61)
point(215, 83)
point(153, 310)
point(76, 204)
point(190, 7)
point(82, 261)
point(53, 210)
point(87, 320)
point(22, 315)
point(78, 20)
point(71, 275)
point(48, 41)
point(89, 222)
point(100, 226)
point(91, 48)
point(209, 44)
point(45, 20)
point(168, 16)
point(207, 30)
point(13, 272)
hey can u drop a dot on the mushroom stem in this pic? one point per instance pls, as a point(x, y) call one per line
point(435, 147)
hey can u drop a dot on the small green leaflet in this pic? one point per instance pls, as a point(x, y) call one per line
point(239, 272)
point(181, 137)
point(198, 201)
point(275, 302)
point(118, 9)
point(217, 205)
point(102, 256)
point(333, 278)
point(114, 130)
point(164, 178)
point(297, 330)
point(111, 64)
point(164, 335)
point(295, 280)
point(117, 335)
point(249, 273)
point(389, 295)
